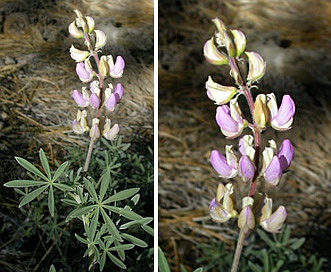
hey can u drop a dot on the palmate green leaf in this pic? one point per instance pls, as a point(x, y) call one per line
point(120, 252)
point(279, 265)
point(124, 212)
point(267, 240)
point(134, 240)
point(51, 200)
point(254, 267)
point(112, 228)
point(82, 240)
point(135, 199)
point(24, 183)
point(52, 268)
point(116, 260)
point(31, 168)
point(122, 247)
point(90, 188)
point(70, 202)
point(104, 185)
point(81, 211)
point(60, 170)
point(163, 263)
point(298, 243)
point(125, 194)
point(103, 261)
point(138, 222)
point(63, 187)
point(266, 261)
point(31, 196)
point(285, 234)
point(45, 164)
point(148, 229)
point(93, 225)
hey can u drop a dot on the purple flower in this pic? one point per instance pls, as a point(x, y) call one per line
point(246, 219)
point(110, 132)
point(246, 146)
point(94, 101)
point(111, 102)
point(82, 99)
point(95, 131)
point(119, 92)
point(230, 122)
point(115, 97)
point(218, 213)
point(282, 118)
point(273, 172)
point(286, 154)
point(226, 167)
point(84, 71)
point(222, 207)
point(116, 69)
point(246, 169)
point(79, 125)
point(272, 222)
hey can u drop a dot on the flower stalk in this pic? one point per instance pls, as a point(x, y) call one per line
point(252, 162)
point(97, 100)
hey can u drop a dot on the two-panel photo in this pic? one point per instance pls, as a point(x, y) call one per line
point(165, 136)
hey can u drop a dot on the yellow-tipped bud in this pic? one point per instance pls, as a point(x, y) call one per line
point(261, 111)
point(103, 66)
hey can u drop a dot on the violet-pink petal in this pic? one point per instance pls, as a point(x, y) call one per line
point(276, 220)
point(273, 172)
point(224, 119)
point(81, 71)
point(219, 163)
point(78, 97)
point(286, 154)
point(94, 101)
point(111, 102)
point(119, 91)
point(214, 203)
point(119, 65)
point(246, 168)
point(286, 110)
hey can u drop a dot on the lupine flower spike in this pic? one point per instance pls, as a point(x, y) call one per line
point(100, 100)
point(251, 162)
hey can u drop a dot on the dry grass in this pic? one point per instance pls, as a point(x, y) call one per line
point(188, 132)
point(38, 76)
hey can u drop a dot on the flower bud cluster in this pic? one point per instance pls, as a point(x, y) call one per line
point(227, 47)
point(96, 96)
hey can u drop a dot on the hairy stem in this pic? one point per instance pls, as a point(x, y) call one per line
point(237, 254)
point(101, 87)
point(257, 136)
point(89, 155)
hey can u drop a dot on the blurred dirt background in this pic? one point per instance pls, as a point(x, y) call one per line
point(37, 78)
point(294, 37)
